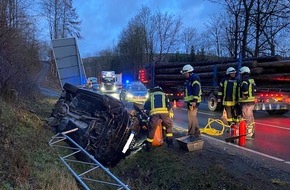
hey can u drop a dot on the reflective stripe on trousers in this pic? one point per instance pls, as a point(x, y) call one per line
point(160, 119)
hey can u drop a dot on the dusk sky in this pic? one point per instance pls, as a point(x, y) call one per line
point(103, 20)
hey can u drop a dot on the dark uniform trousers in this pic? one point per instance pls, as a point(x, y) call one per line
point(166, 122)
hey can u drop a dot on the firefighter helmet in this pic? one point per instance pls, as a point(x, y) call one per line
point(230, 70)
point(187, 69)
point(245, 69)
point(156, 89)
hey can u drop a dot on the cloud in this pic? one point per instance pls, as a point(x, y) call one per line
point(103, 21)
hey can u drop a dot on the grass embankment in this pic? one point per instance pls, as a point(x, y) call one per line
point(27, 161)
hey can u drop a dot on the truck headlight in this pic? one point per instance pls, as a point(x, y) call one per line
point(102, 88)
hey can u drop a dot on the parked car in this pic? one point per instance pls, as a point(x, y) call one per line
point(94, 83)
point(135, 92)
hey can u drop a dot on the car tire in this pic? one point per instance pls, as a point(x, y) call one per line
point(69, 87)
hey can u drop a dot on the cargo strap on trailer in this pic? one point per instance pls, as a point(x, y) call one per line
point(68, 160)
point(212, 131)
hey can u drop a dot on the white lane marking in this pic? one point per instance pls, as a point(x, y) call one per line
point(205, 113)
point(274, 126)
point(249, 150)
point(237, 146)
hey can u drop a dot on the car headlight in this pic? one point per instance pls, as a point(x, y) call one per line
point(102, 88)
point(129, 95)
point(147, 96)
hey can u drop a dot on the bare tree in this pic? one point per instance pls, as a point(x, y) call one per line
point(62, 21)
point(216, 33)
point(270, 18)
point(188, 38)
point(255, 26)
point(168, 28)
point(62, 18)
point(18, 47)
point(136, 42)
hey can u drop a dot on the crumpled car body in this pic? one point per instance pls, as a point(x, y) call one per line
point(104, 123)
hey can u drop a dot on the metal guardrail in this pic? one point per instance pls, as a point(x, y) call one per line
point(69, 160)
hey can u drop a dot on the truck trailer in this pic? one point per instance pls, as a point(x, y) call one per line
point(272, 76)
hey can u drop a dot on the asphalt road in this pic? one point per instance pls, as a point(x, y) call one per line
point(272, 136)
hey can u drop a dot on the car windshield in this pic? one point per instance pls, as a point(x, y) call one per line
point(137, 87)
point(93, 80)
point(108, 79)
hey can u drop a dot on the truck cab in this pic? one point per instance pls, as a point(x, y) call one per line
point(107, 82)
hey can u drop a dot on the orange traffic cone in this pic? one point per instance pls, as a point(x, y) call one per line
point(158, 136)
point(174, 104)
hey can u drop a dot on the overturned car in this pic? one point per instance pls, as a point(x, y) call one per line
point(105, 125)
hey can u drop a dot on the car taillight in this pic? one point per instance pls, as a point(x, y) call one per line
point(271, 95)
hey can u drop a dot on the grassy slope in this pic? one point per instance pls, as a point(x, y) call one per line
point(27, 162)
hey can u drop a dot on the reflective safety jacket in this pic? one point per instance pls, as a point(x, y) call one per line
point(247, 89)
point(157, 103)
point(193, 89)
point(228, 91)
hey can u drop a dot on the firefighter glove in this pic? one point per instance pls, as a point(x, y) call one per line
point(171, 114)
point(191, 105)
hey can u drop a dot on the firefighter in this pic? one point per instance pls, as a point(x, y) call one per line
point(159, 110)
point(228, 95)
point(246, 92)
point(192, 97)
point(89, 84)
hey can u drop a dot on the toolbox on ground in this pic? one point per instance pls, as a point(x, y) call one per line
point(190, 143)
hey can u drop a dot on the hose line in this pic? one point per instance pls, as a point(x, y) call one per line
point(212, 131)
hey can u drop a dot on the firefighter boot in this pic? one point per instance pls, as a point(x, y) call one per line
point(197, 133)
point(250, 132)
point(170, 143)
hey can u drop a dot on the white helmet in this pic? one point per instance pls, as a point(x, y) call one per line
point(245, 69)
point(230, 70)
point(187, 69)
